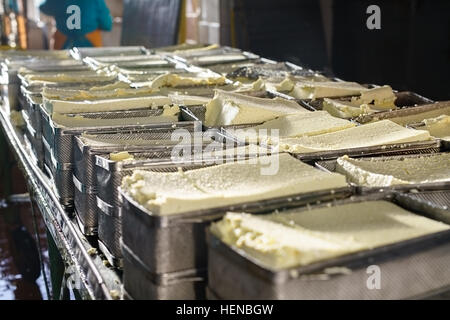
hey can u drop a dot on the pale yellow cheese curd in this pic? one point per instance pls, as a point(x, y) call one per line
point(226, 184)
point(74, 76)
point(294, 125)
point(61, 106)
point(373, 134)
point(379, 98)
point(297, 238)
point(233, 108)
point(173, 80)
point(345, 109)
point(379, 172)
point(325, 89)
point(121, 156)
point(438, 127)
point(188, 100)
point(370, 101)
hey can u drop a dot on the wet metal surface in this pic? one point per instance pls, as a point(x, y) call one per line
point(15, 253)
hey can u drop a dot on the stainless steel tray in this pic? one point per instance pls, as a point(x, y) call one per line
point(157, 141)
point(330, 166)
point(60, 138)
point(31, 152)
point(34, 137)
point(86, 200)
point(434, 204)
point(421, 147)
point(405, 99)
point(81, 53)
point(85, 208)
point(140, 284)
point(404, 112)
point(408, 269)
point(173, 243)
point(278, 70)
point(63, 190)
point(109, 203)
point(221, 58)
point(60, 174)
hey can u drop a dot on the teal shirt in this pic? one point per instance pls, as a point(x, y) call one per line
point(94, 15)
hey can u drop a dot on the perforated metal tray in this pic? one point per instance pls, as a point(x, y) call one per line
point(404, 111)
point(109, 203)
point(408, 269)
point(421, 147)
point(331, 166)
point(60, 137)
point(81, 53)
point(34, 137)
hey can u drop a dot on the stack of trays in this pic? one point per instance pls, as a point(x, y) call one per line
point(404, 99)
point(409, 267)
point(204, 58)
point(59, 145)
point(156, 140)
point(422, 178)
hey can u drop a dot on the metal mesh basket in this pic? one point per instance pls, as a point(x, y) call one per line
point(409, 268)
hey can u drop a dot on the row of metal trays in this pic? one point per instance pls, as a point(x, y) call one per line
point(166, 257)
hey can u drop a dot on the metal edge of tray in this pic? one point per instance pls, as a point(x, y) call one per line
point(245, 56)
point(141, 284)
point(108, 172)
point(330, 166)
point(208, 52)
point(116, 262)
point(351, 261)
point(97, 280)
point(432, 204)
point(316, 105)
point(387, 149)
point(105, 129)
point(204, 215)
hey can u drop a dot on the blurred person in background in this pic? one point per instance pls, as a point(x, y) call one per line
point(78, 22)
